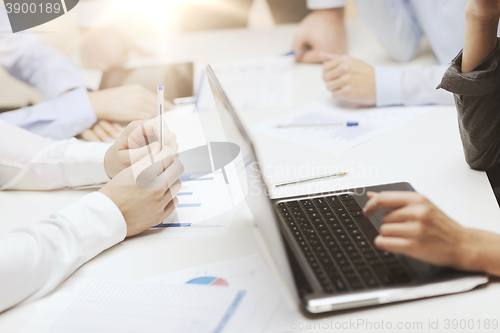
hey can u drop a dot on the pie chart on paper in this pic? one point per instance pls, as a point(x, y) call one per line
point(209, 280)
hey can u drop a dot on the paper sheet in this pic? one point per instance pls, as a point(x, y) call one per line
point(205, 209)
point(337, 139)
point(250, 84)
point(105, 306)
point(206, 204)
point(248, 273)
point(231, 296)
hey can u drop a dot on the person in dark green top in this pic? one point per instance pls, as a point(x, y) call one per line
point(414, 226)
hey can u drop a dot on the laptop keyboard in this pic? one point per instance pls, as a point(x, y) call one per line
point(340, 255)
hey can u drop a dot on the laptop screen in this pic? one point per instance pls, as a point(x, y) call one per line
point(257, 197)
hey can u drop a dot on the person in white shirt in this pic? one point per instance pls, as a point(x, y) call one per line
point(69, 108)
point(36, 258)
point(400, 26)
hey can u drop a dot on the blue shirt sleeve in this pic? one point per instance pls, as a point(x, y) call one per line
point(59, 118)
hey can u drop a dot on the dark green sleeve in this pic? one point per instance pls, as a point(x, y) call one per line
point(477, 97)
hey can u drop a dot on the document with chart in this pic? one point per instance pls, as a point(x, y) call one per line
point(324, 125)
point(205, 209)
point(252, 84)
point(212, 185)
point(84, 305)
point(248, 273)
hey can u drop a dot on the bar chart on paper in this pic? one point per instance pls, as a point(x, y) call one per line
point(205, 208)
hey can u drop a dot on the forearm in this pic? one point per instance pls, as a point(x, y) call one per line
point(36, 258)
point(480, 39)
point(480, 251)
point(30, 162)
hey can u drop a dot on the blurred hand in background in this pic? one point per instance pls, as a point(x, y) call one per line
point(103, 131)
point(105, 47)
point(125, 103)
point(320, 31)
point(349, 79)
point(120, 104)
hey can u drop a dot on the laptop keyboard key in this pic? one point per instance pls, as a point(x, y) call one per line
point(327, 214)
point(346, 197)
point(334, 201)
point(306, 203)
point(320, 202)
point(331, 220)
point(343, 215)
point(339, 231)
point(350, 226)
point(354, 232)
point(356, 283)
point(339, 284)
point(321, 226)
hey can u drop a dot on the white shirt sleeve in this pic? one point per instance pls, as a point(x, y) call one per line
point(410, 85)
point(325, 4)
point(30, 162)
point(36, 258)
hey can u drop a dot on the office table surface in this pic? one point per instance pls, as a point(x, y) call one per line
point(426, 152)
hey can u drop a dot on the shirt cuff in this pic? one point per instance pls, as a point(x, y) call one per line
point(389, 86)
point(99, 222)
point(84, 163)
point(483, 80)
point(74, 113)
point(325, 4)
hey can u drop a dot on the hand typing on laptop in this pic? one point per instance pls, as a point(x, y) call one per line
point(417, 228)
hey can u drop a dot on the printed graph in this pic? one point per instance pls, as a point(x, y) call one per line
point(209, 280)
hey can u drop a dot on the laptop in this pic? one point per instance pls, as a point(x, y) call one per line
point(323, 245)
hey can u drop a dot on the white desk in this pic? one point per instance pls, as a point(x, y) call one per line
point(426, 152)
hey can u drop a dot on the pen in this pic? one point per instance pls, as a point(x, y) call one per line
point(298, 181)
point(160, 114)
point(297, 52)
point(348, 124)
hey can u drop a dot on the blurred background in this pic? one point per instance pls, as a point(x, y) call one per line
point(81, 32)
